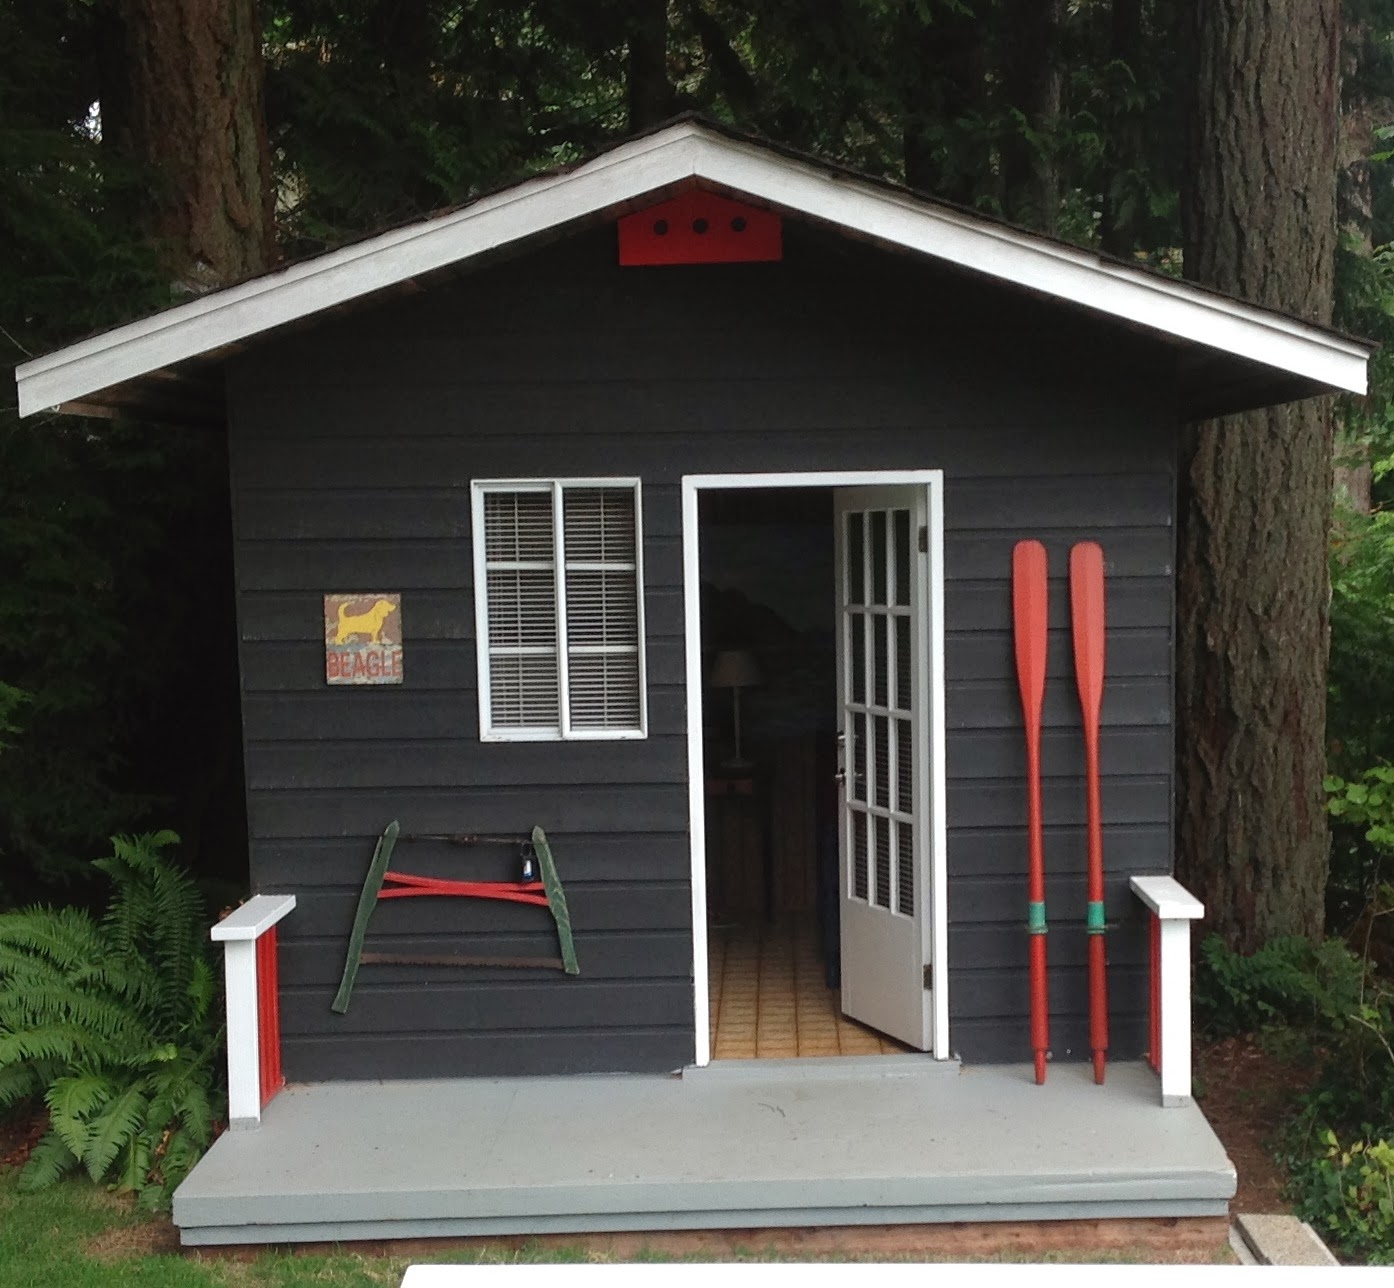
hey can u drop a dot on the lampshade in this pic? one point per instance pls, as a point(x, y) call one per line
point(734, 669)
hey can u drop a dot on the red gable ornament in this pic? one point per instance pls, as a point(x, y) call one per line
point(700, 227)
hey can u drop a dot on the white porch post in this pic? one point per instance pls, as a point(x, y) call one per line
point(1173, 909)
point(238, 932)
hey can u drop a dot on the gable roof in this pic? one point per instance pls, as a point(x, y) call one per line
point(1293, 358)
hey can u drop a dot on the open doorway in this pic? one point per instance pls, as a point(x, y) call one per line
point(806, 845)
point(770, 734)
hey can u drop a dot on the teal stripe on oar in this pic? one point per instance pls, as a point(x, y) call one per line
point(367, 901)
point(1035, 918)
point(556, 900)
point(1094, 918)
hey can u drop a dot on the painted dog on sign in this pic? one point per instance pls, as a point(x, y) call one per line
point(369, 623)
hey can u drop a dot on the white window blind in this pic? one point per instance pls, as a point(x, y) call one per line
point(559, 604)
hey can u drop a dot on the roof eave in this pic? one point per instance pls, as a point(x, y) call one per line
point(681, 153)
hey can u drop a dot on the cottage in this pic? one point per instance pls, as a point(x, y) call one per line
point(682, 486)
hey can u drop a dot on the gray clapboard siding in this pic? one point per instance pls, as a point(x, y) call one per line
point(629, 955)
point(998, 1038)
point(353, 444)
point(998, 992)
point(405, 1054)
point(345, 712)
point(763, 445)
point(288, 615)
point(1000, 851)
point(1067, 945)
point(588, 807)
point(1002, 898)
point(1133, 602)
point(483, 1003)
point(435, 565)
point(656, 904)
point(412, 565)
point(984, 655)
point(988, 704)
point(1140, 498)
point(991, 802)
point(442, 762)
point(599, 856)
point(977, 555)
point(280, 667)
point(446, 666)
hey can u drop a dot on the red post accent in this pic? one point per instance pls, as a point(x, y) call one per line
point(1154, 1014)
point(269, 1015)
point(700, 227)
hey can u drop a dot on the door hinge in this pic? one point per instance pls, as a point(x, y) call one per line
point(924, 546)
point(929, 977)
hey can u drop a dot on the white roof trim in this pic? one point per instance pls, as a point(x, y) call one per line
point(684, 151)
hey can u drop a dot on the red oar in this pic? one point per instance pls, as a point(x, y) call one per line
point(1030, 614)
point(1087, 617)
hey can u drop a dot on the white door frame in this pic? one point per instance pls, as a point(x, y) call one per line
point(933, 480)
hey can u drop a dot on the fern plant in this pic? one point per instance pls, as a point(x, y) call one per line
point(116, 1024)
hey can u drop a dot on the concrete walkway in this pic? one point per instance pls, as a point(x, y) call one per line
point(881, 1140)
point(1280, 1240)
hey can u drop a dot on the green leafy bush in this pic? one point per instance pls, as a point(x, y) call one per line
point(1347, 1191)
point(1289, 982)
point(116, 1024)
point(1366, 801)
point(1336, 1014)
point(1362, 813)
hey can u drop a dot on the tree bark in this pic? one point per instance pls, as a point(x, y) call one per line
point(1259, 216)
point(190, 109)
point(650, 94)
point(941, 69)
point(1360, 116)
point(1032, 83)
point(1124, 142)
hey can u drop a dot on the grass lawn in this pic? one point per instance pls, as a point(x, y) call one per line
point(78, 1235)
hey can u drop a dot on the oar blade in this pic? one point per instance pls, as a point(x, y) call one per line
point(1030, 617)
point(1087, 620)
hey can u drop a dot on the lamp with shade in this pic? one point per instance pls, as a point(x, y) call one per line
point(735, 669)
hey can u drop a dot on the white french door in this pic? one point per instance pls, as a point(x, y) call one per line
point(886, 884)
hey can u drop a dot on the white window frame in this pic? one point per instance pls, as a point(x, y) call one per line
point(565, 732)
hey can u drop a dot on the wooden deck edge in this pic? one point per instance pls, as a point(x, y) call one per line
point(1159, 1239)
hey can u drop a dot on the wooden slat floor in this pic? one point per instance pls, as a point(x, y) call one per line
point(769, 1000)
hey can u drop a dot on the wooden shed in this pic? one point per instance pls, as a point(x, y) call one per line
point(666, 502)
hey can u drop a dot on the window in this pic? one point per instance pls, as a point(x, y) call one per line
point(559, 607)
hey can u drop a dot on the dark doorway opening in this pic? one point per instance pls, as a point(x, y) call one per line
point(770, 731)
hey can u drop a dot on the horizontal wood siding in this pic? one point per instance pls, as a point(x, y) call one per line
point(353, 447)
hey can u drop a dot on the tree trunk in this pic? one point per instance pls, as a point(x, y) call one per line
point(1032, 83)
point(1255, 490)
point(1360, 116)
point(941, 67)
point(650, 94)
point(191, 112)
point(1124, 142)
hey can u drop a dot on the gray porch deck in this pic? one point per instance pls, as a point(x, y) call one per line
point(881, 1140)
